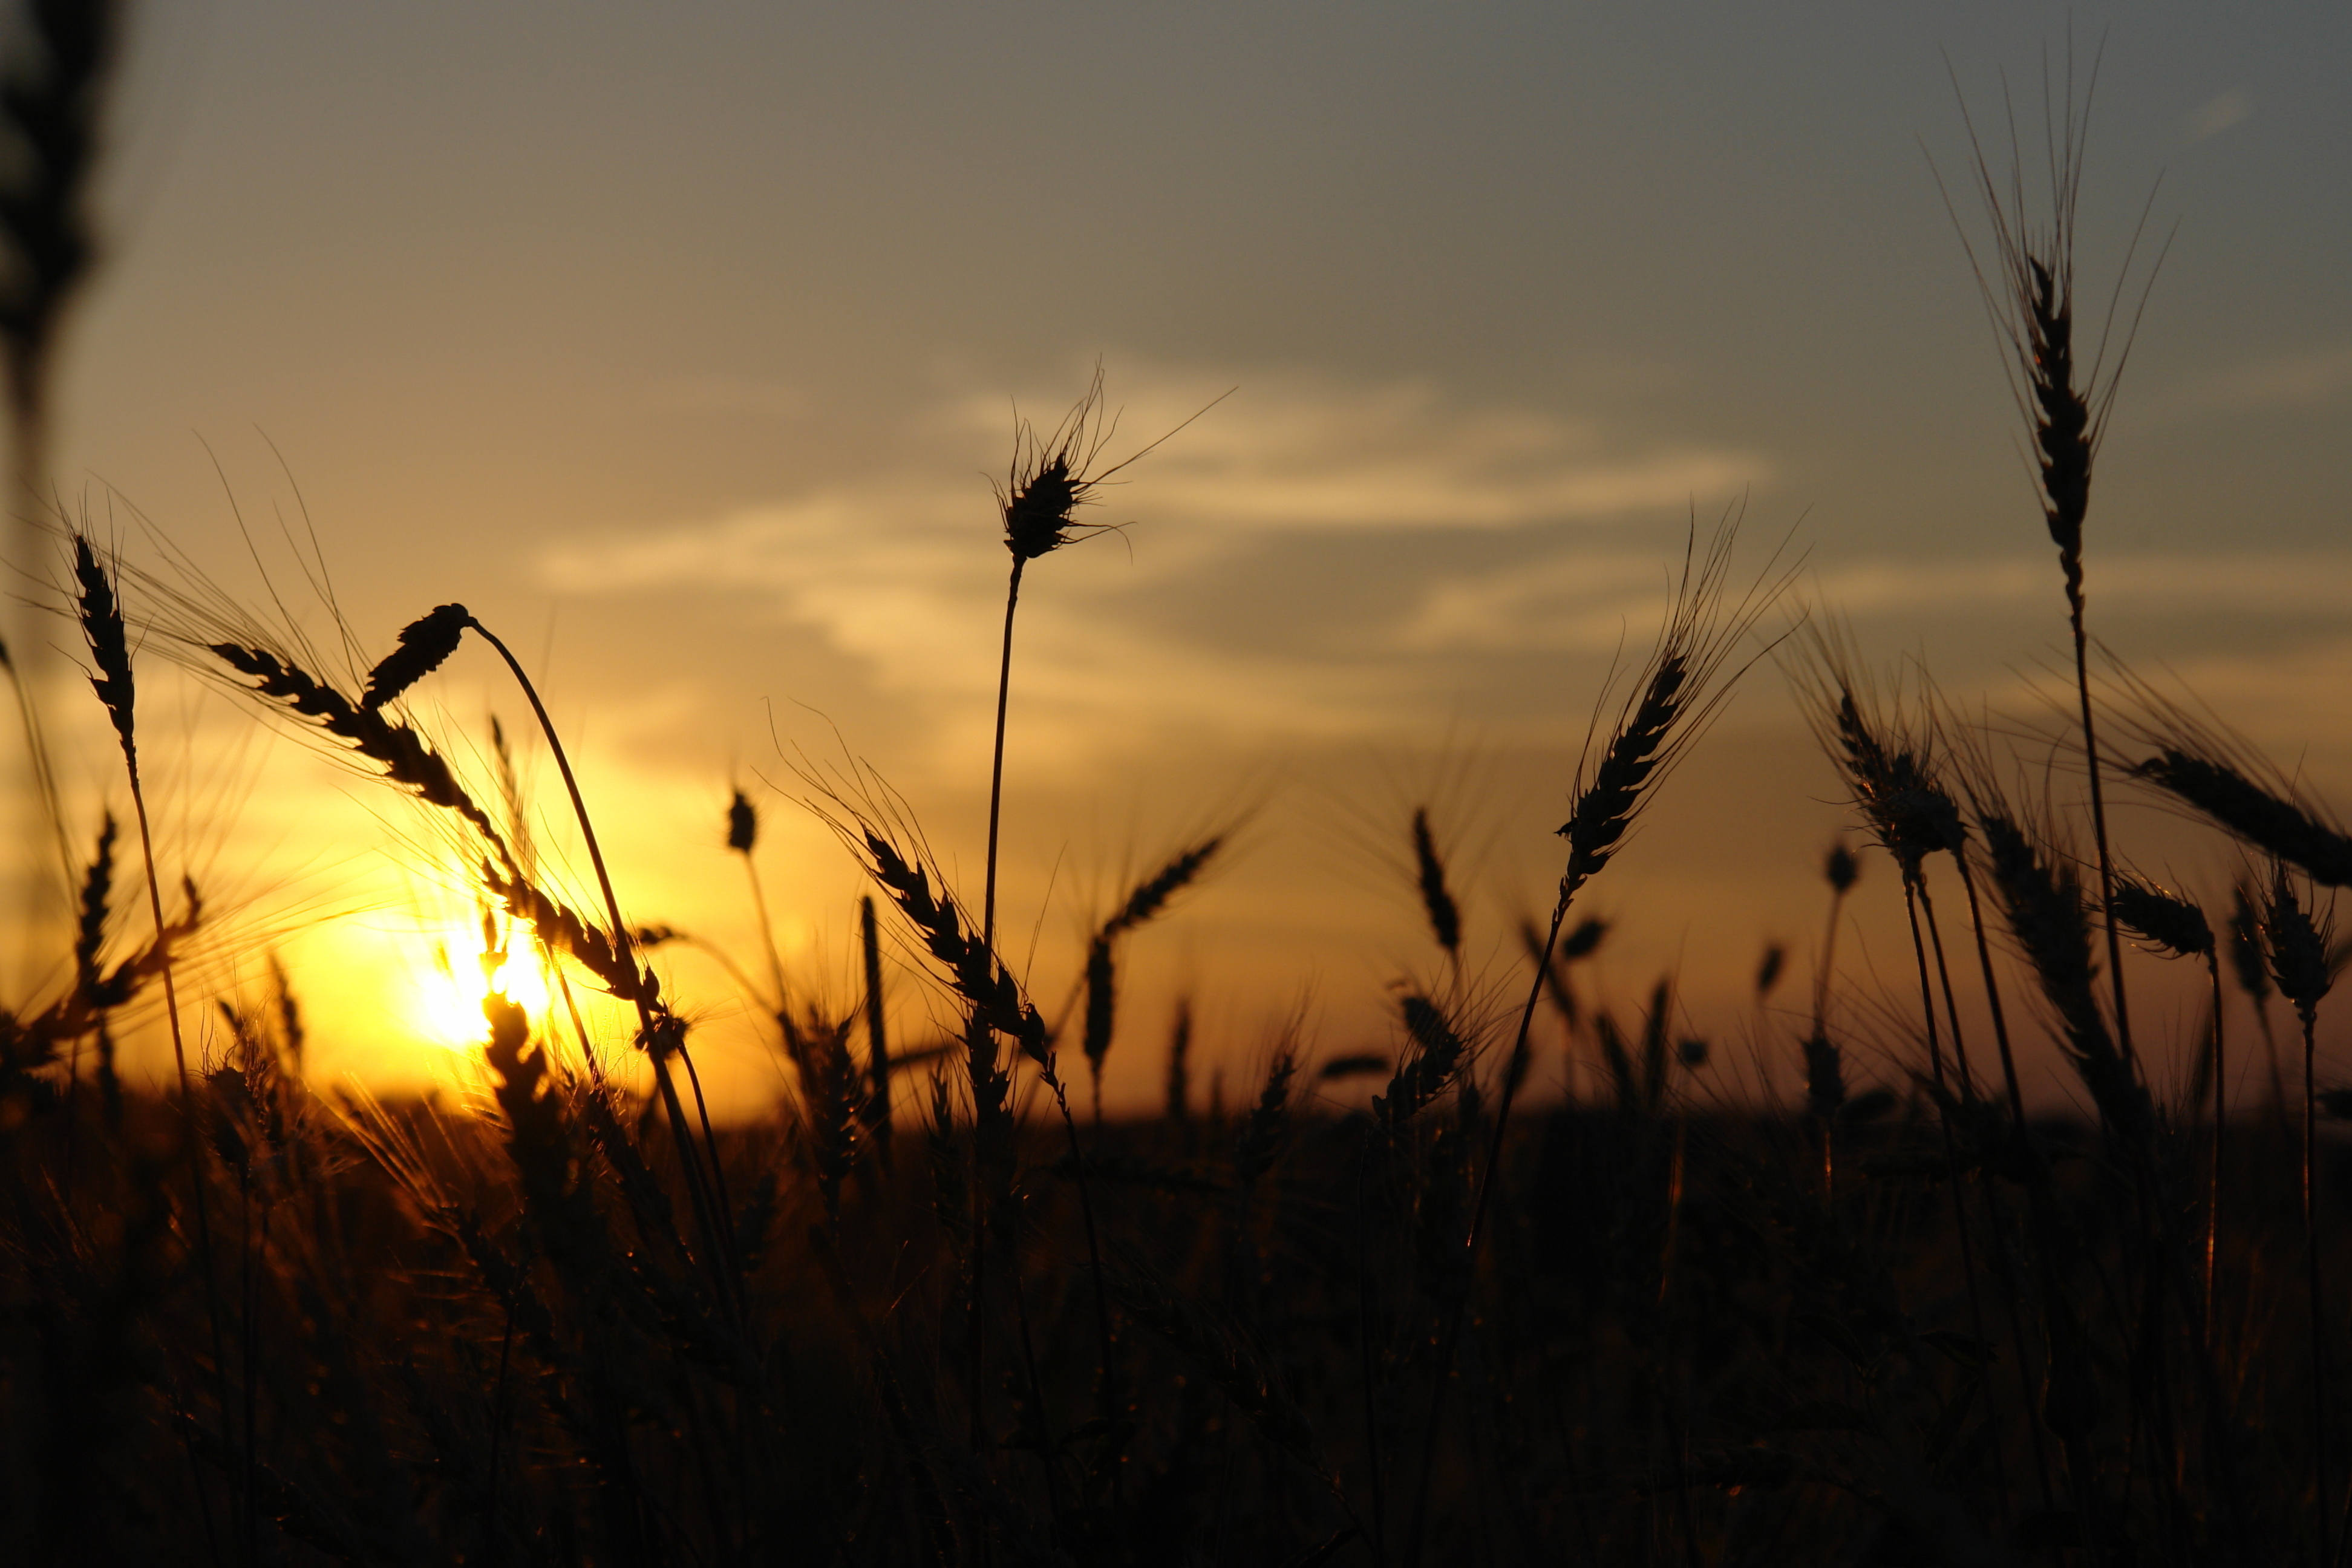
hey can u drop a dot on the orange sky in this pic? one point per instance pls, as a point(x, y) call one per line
point(682, 347)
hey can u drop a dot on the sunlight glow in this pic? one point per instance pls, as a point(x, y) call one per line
point(447, 1005)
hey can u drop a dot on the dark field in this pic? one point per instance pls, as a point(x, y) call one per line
point(436, 1337)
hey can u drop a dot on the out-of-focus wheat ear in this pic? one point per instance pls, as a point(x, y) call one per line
point(1436, 897)
point(90, 928)
point(1435, 1053)
point(2161, 918)
point(2249, 967)
point(1824, 1097)
point(90, 935)
point(1768, 968)
point(51, 100)
point(291, 1033)
point(1825, 1091)
point(1149, 898)
point(1180, 1064)
point(1102, 1005)
point(2224, 793)
point(2297, 945)
point(877, 1037)
point(2248, 963)
point(1266, 1127)
point(425, 644)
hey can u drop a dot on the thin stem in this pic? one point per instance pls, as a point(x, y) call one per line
point(1365, 1353)
point(988, 943)
point(877, 1040)
point(1110, 1397)
point(1820, 1014)
point(996, 768)
point(2213, 1191)
point(714, 1223)
point(2099, 830)
point(194, 1140)
point(1912, 894)
point(767, 932)
point(1829, 960)
point(1951, 1006)
point(2319, 1468)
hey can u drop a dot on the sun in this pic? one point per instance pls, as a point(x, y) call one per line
point(447, 1005)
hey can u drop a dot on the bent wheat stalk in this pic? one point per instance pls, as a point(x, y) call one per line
point(1672, 700)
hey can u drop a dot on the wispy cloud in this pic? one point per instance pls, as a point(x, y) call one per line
point(902, 574)
point(1300, 452)
point(1581, 600)
point(2218, 113)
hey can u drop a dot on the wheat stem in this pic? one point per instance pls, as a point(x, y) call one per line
point(996, 767)
point(711, 1207)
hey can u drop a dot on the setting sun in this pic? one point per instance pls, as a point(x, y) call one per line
point(446, 1004)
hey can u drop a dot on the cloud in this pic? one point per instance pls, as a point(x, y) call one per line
point(903, 574)
point(1581, 600)
point(2219, 113)
point(1301, 452)
point(1575, 601)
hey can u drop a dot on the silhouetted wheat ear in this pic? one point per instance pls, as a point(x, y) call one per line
point(398, 749)
point(109, 645)
point(1102, 1002)
point(1824, 1077)
point(1144, 901)
point(1436, 1055)
point(2297, 946)
point(2063, 430)
point(977, 976)
point(1583, 939)
point(97, 889)
point(1037, 512)
point(1606, 807)
point(1436, 897)
point(1152, 895)
point(742, 825)
point(1266, 1127)
point(567, 932)
point(1180, 1064)
point(2247, 962)
point(2268, 821)
point(2162, 919)
point(2043, 903)
point(424, 644)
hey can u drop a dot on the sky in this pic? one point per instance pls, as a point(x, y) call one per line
point(682, 345)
